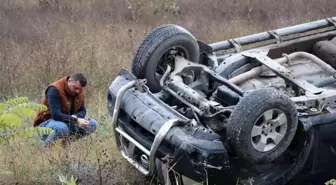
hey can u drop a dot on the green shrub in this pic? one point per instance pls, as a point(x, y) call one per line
point(331, 182)
point(67, 181)
point(13, 113)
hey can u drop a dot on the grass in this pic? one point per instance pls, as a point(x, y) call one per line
point(92, 160)
point(43, 40)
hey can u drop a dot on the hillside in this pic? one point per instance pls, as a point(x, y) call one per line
point(44, 40)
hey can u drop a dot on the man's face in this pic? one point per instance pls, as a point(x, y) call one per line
point(75, 87)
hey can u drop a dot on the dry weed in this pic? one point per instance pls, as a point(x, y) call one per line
point(43, 40)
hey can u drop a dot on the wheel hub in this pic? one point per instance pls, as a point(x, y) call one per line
point(168, 58)
point(269, 130)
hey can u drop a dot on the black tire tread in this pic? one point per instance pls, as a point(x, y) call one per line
point(151, 42)
point(249, 105)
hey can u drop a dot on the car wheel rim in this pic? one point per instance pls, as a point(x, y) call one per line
point(269, 130)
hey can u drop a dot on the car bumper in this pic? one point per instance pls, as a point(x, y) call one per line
point(148, 130)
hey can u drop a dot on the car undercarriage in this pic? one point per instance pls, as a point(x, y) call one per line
point(232, 111)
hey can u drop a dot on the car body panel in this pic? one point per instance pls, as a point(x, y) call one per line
point(190, 147)
point(192, 143)
point(201, 154)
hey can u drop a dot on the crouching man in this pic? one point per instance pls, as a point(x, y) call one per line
point(66, 111)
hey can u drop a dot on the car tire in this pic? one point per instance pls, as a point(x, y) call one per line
point(158, 43)
point(262, 125)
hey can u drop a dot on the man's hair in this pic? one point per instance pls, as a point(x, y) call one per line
point(79, 77)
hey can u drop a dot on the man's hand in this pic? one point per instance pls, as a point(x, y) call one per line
point(82, 122)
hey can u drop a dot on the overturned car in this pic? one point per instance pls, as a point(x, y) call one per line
point(258, 109)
